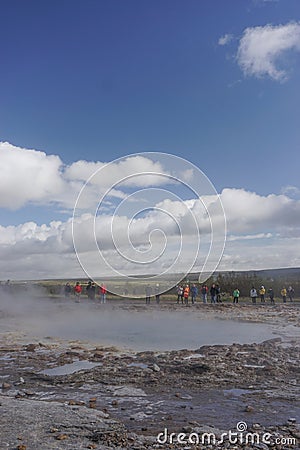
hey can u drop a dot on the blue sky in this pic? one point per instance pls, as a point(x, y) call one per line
point(98, 80)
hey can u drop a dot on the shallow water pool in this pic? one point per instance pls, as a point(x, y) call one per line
point(135, 329)
point(157, 331)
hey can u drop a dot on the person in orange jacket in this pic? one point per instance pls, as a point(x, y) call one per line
point(186, 294)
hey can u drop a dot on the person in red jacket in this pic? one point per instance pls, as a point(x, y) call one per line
point(102, 292)
point(77, 291)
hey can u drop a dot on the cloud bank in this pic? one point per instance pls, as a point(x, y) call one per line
point(263, 231)
point(31, 177)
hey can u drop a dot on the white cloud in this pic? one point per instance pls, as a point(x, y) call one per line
point(263, 231)
point(30, 250)
point(226, 39)
point(265, 1)
point(261, 49)
point(28, 176)
point(291, 191)
point(247, 210)
point(274, 252)
point(187, 175)
point(128, 169)
point(11, 235)
point(249, 237)
point(31, 176)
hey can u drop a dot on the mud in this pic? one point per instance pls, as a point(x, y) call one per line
point(58, 393)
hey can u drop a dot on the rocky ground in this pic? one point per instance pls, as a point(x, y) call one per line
point(59, 395)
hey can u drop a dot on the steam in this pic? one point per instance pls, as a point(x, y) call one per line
point(37, 317)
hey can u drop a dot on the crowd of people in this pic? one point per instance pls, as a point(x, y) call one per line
point(213, 294)
point(262, 294)
point(185, 293)
point(91, 291)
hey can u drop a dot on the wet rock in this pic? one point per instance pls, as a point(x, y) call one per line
point(98, 355)
point(30, 347)
point(206, 429)
point(61, 437)
point(128, 391)
point(92, 402)
point(262, 446)
point(249, 409)
point(78, 427)
point(139, 416)
point(29, 393)
point(295, 432)
point(20, 395)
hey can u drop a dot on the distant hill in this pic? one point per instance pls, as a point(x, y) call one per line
point(287, 273)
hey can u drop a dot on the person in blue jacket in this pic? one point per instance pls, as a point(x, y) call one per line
point(194, 293)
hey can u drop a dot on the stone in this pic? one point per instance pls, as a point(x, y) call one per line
point(61, 437)
point(249, 408)
point(30, 347)
point(29, 393)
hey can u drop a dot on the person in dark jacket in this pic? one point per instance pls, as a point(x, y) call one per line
point(148, 294)
point(218, 294)
point(92, 291)
point(68, 290)
point(213, 294)
point(204, 291)
point(271, 295)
